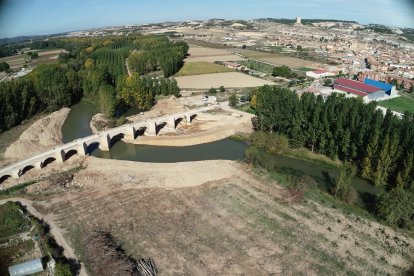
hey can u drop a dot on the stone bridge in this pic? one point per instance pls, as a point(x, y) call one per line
point(103, 139)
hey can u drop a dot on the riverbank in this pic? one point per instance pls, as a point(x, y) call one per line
point(42, 135)
point(206, 127)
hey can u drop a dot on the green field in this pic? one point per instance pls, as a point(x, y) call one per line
point(400, 104)
point(199, 68)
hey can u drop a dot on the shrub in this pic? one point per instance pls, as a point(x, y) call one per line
point(251, 155)
point(212, 91)
point(233, 100)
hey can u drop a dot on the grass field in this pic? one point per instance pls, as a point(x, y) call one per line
point(400, 104)
point(45, 57)
point(202, 67)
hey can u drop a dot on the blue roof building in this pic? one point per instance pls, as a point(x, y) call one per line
point(26, 268)
point(381, 85)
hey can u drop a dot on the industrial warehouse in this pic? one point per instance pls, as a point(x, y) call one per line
point(369, 90)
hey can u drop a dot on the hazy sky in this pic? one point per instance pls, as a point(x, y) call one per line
point(27, 17)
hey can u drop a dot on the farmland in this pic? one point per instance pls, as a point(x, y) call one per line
point(400, 104)
point(45, 57)
point(232, 79)
point(279, 60)
point(201, 67)
point(197, 54)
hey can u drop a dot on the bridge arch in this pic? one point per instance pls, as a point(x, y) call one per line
point(159, 126)
point(116, 138)
point(192, 117)
point(70, 153)
point(4, 178)
point(92, 146)
point(27, 168)
point(48, 161)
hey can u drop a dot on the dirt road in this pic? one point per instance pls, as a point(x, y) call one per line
point(54, 229)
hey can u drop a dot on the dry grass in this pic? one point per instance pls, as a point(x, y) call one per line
point(237, 225)
point(232, 79)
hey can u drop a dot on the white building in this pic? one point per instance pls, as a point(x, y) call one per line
point(317, 74)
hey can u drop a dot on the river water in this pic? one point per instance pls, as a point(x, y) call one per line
point(77, 126)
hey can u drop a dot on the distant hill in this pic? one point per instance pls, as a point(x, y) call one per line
point(19, 39)
point(304, 21)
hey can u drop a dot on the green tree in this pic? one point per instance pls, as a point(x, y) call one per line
point(222, 89)
point(233, 100)
point(342, 188)
point(4, 66)
point(212, 91)
point(107, 100)
point(397, 207)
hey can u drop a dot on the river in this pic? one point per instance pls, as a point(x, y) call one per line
point(77, 126)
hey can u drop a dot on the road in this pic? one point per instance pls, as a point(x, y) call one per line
point(55, 231)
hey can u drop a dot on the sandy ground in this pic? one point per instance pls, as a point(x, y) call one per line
point(220, 218)
point(209, 54)
point(40, 136)
point(229, 80)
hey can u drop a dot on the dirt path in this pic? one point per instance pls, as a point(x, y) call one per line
point(54, 229)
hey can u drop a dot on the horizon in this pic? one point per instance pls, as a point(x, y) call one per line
point(18, 18)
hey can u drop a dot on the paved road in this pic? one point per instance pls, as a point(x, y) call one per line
point(55, 231)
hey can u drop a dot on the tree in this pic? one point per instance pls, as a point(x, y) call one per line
point(233, 100)
point(32, 55)
point(89, 63)
point(342, 188)
point(107, 100)
point(222, 89)
point(397, 207)
point(253, 102)
point(212, 91)
point(299, 48)
point(4, 66)
point(327, 82)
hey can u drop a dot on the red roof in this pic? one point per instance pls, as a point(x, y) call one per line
point(346, 89)
point(356, 85)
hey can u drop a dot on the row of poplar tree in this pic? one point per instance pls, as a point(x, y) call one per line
point(343, 128)
point(380, 145)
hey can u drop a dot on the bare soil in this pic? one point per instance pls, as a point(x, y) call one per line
point(40, 136)
point(231, 79)
point(221, 218)
point(197, 54)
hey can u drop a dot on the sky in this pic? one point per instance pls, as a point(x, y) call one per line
point(30, 17)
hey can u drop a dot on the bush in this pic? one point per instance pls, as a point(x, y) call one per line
point(276, 143)
point(233, 100)
point(222, 89)
point(251, 155)
point(212, 91)
point(259, 139)
point(305, 183)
